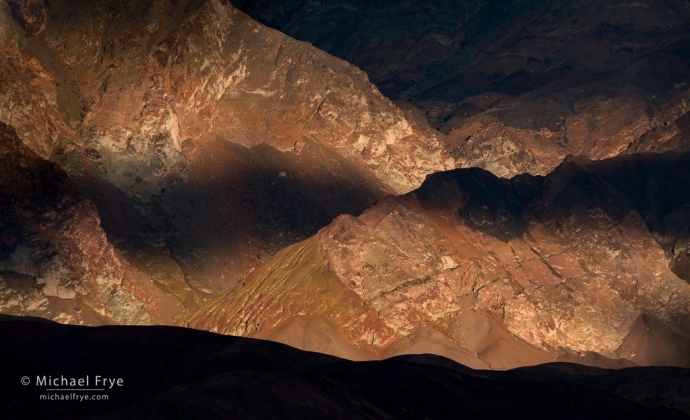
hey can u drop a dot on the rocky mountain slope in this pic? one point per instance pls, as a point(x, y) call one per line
point(447, 51)
point(516, 85)
point(208, 376)
point(173, 150)
point(500, 273)
point(55, 260)
point(206, 141)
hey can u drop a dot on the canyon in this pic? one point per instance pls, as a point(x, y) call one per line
point(501, 184)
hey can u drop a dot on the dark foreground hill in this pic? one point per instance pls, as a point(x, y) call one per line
point(175, 373)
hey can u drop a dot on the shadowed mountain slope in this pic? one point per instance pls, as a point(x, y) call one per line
point(206, 141)
point(55, 260)
point(516, 85)
point(197, 375)
point(449, 50)
point(210, 145)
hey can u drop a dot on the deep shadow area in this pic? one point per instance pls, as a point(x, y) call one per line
point(449, 50)
point(230, 210)
point(653, 185)
point(182, 373)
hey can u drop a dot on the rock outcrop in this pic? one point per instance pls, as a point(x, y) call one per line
point(514, 272)
point(207, 141)
point(55, 260)
point(515, 85)
point(167, 151)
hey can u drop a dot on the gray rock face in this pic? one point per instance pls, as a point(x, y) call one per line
point(55, 260)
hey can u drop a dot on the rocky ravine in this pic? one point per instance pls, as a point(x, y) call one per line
point(55, 260)
point(492, 272)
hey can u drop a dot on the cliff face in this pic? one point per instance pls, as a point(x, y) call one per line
point(55, 260)
point(514, 272)
point(207, 141)
point(515, 85)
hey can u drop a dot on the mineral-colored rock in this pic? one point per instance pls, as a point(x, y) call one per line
point(162, 109)
point(514, 272)
point(207, 141)
point(516, 85)
point(55, 260)
point(449, 50)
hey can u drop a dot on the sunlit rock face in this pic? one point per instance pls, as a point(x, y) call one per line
point(515, 85)
point(169, 151)
point(206, 141)
point(447, 51)
point(513, 272)
point(161, 73)
point(28, 93)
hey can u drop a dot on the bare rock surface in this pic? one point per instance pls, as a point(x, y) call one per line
point(449, 50)
point(55, 260)
point(206, 141)
point(198, 150)
point(515, 85)
point(514, 272)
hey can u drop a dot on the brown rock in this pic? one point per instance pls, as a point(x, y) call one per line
point(516, 272)
point(56, 261)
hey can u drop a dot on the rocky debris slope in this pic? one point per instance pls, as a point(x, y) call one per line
point(516, 85)
point(489, 271)
point(55, 260)
point(208, 376)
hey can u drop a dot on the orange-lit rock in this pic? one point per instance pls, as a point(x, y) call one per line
point(516, 85)
point(207, 141)
point(212, 147)
point(515, 272)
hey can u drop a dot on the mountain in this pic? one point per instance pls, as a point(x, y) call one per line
point(177, 162)
point(206, 141)
point(198, 375)
point(515, 85)
point(582, 264)
point(55, 260)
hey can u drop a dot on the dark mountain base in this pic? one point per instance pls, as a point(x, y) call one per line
point(171, 373)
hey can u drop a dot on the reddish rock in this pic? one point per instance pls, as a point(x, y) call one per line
point(207, 141)
point(516, 85)
point(514, 272)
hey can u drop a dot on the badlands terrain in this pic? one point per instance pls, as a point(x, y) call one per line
point(504, 184)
